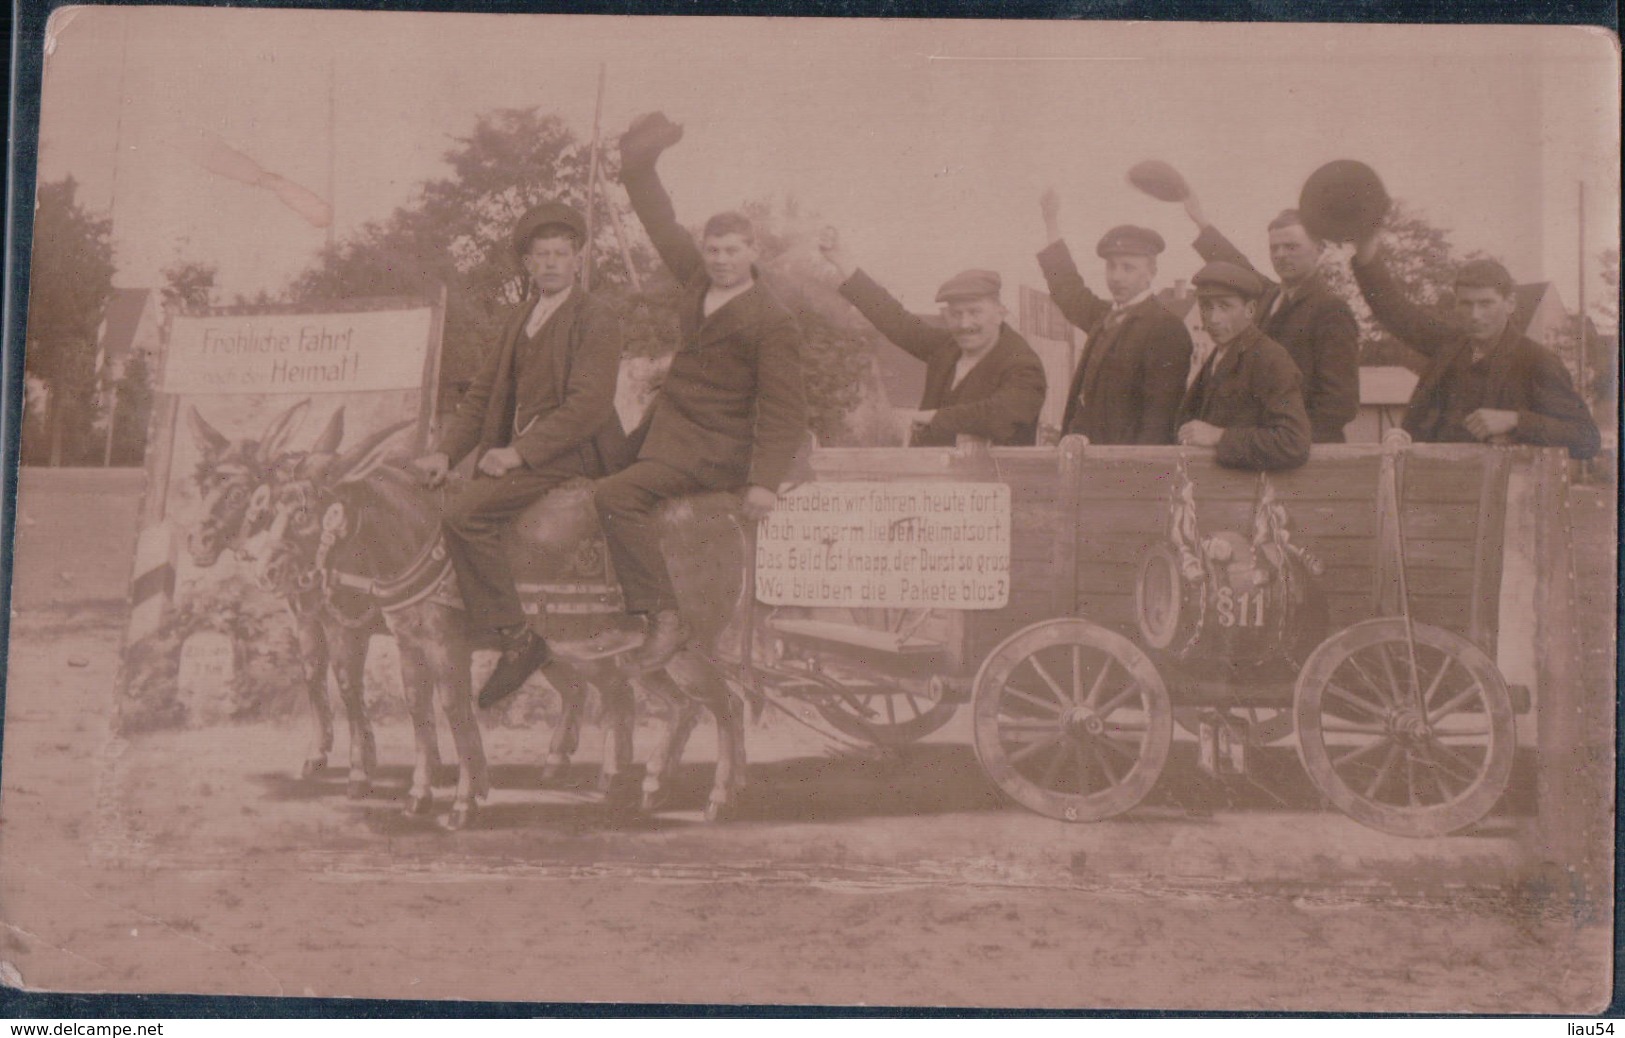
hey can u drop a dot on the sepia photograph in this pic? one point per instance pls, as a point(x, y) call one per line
point(769, 511)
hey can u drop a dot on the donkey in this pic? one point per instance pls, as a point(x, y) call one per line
point(362, 540)
point(237, 480)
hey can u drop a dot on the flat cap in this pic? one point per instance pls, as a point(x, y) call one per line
point(1484, 273)
point(1227, 279)
point(1129, 240)
point(970, 284)
point(543, 215)
point(1343, 201)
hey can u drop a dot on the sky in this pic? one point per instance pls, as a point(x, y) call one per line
point(926, 142)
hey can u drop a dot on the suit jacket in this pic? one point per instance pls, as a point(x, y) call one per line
point(1254, 393)
point(1132, 376)
point(558, 407)
point(998, 399)
point(1318, 330)
point(732, 410)
point(1524, 376)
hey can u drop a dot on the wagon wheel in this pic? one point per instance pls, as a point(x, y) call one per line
point(890, 715)
point(1420, 759)
point(1072, 720)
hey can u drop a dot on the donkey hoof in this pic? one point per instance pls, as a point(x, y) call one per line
point(656, 799)
point(462, 815)
point(721, 811)
point(312, 767)
point(418, 804)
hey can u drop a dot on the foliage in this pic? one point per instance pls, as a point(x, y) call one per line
point(188, 285)
point(70, 282)
point(1606, 309)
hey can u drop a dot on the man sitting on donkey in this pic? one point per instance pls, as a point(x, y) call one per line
point(540, 412)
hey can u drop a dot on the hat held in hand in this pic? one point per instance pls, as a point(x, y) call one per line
point(646, 138)
point(1343, 201)
point(1159, 180)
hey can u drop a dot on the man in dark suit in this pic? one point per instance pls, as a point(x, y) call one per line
point(1485, 382)
point(1132, 376)
point(1247, 401)
point(1314, 324)
point(732, 411)
point(540, 412)
point(981, 377)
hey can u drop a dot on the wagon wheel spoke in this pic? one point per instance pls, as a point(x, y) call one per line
point(1383, 772)
point(1028, 724)
point(1438, 783)
point(1032, 748)
point(1052, 771)
point(1449, 708)
point(1438, 680)
point(1110, 707)
point(1054, 686)
point(1117, 747)
point(891, 709)
point(1358, 752)
point(1372, 683)
point(1047, 706)
point(1358, 702)
point(1353, 729)
point(1442, 753)
point(1081, 771)
point(1100, 682)
point(1105, 766)
point(1410, 779)
point(1400, 688)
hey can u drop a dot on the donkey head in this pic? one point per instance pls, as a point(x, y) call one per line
point(235, 478)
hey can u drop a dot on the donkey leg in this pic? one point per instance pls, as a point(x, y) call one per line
point(680, 714)
point(312, 641)
point(615, 778)
point(572, 689)
point(349, 652)
point(418, 686)
point(702, 679)
point(436, 638)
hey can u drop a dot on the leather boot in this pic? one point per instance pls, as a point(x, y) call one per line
point(522, 654)
point(667, 634)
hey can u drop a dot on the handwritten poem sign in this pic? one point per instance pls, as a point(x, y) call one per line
point(297, 353)
point(933, 545)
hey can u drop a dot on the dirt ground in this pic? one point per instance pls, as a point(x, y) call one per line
point(197, 861)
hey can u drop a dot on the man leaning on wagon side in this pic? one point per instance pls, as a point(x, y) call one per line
point(731, 412)
point(1130, 382)
point(540, 412)
point(1314, 324)
point(1485, 382)
point(1247, 401)
point(981, 377)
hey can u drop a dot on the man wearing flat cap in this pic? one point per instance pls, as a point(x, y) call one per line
point(981, 377)
point(1485, 381)
point(541, 411)
point(731, 412)
point(1314, 324)
point(1132, 376)
point(1247, 401)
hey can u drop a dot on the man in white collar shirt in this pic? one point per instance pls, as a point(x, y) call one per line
point(981, 377)
point(1130, 382)
point(540, 412)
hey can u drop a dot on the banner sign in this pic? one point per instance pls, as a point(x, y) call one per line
point(297, 353)
point(937, 545)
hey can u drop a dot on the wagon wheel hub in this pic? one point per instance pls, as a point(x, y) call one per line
point(1081, 722)
point(1408, 727)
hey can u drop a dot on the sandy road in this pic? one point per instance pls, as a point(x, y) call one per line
point(194, 861)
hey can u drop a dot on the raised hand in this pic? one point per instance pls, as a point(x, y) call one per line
point(1049, 206)
point(647, 136)
point(834, 253)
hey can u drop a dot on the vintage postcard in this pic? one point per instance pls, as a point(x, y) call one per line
point(830, 512)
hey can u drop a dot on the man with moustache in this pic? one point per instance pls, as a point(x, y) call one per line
point(981, 377)
point(540, 412)
point(1299, 312)
point(731, 412)
point(1485, 382)
point(1129, 384)
point(1247, 401)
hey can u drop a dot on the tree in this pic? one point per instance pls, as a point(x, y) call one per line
point(188, 285)
point(1606, 308)
point(1421, 258)
point(70, 282)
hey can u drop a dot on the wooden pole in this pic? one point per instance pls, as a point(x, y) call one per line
point(620, 235)
point(592, 182)
point(1585, 389)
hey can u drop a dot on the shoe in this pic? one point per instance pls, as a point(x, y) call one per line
point(521, 656)
point(667, 634)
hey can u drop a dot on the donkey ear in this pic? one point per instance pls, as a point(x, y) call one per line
point(282, 427)
point(209, 440)
point(359, 462)
point(328, 441)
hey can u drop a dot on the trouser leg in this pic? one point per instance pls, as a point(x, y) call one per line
point(626, 504)
point(475, 516)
